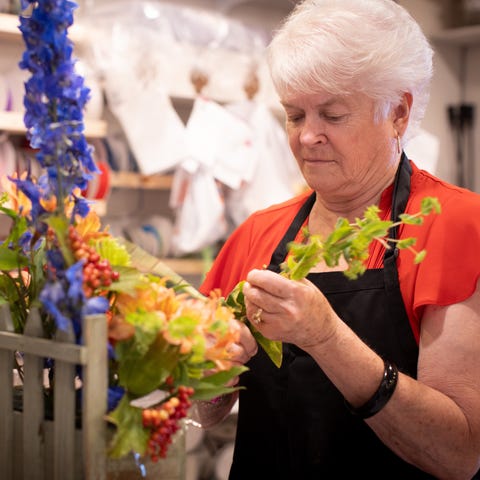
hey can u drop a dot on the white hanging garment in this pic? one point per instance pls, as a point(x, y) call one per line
point(199, 211)
point(155, 132)
point(275, 176)
point(217, 140)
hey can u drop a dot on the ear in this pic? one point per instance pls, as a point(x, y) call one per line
point(401, 113)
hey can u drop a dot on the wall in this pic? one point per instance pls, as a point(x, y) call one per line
point(450, 86)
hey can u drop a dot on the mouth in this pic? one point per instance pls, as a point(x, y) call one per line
point(318, 160)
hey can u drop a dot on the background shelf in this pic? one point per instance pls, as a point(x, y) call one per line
point(12, 122)
point(138, 181)
point(9, 31)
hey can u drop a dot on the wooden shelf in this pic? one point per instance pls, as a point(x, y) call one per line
point(137, 181)
point(459, 37)
point(185, 266)
point(9, 31)
point(12, 122)
point(9, 27)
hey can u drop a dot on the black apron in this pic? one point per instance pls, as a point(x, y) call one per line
point(292, 422)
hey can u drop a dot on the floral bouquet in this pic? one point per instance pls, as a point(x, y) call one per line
point(165, 339)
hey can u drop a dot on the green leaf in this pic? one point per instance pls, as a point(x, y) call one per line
point(59, 224)
point(223, 376)
point(155, 365)
point(420, 256)
point(184, 326)
point(273, 348)
point(130, 436)
point(302, 257)
point(11, 259)
point(130, 279)
point(372, 212)
point(236, 301)
point(406, 242)
point(212, 386)
point(429, 205)
point(113, 250)
point(410, 219)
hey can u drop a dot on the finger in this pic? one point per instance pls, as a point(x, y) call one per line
point(247, 340)
point(267, 281)
point(238, 353)
point(232, 382)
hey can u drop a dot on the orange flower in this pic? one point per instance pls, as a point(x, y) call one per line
point(152, 297)
point(119, 330)
point(89, 226)
point(49, 205)
point(209, 329)
point(219, 341)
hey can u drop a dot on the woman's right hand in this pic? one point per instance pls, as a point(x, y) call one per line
point(243, 350)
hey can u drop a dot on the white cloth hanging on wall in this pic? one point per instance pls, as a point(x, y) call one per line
point(275, 176)
point(154, 130)
point(215, 139)
point(200, 211)
point(214, 156)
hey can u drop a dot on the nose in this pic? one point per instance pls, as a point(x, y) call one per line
point(313, 132)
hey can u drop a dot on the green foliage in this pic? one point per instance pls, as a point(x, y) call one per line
point(156, 360)
point(113, 251)
point(130, 435)
point(350, 241)
point(212, 386)
point(19, 290)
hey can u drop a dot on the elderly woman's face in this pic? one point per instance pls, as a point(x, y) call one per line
point(340, 148)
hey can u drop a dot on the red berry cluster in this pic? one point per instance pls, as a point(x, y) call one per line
point(97, 272)
point(163, 422)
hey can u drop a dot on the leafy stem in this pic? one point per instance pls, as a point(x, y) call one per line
point(348, 240)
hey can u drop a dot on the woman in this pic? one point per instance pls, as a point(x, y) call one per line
point(380, 375)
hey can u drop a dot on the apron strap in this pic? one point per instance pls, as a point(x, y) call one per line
point(281, 251)
point(401, 193)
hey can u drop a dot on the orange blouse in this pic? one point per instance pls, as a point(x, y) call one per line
point(447, 275)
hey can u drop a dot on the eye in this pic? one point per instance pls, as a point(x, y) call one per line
point(294, 118)
point(333, 118)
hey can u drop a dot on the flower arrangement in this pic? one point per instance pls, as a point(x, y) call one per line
point(168, 344)
point(164, 337)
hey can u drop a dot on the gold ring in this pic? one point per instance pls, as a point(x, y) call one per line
point(257, 317)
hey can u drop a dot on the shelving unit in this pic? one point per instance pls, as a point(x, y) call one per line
point(9, 29)
point(12, 122)
point(138, 181)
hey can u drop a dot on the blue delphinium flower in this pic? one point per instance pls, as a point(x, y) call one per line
point(55, 98)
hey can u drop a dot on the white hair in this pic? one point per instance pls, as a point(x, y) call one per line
point(344, 47)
